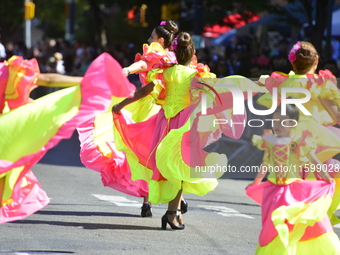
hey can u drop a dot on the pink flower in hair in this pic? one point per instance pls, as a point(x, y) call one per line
point(292, 53)
point(174, 44)
point(163, 23)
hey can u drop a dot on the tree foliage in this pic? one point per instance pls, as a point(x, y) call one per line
point(95, 18)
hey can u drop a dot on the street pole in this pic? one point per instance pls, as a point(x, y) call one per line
point(28, 40)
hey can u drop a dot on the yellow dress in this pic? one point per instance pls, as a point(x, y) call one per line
point(167, 149)
point(321, 86)
point(294, 211)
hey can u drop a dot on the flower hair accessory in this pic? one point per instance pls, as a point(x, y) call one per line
point(292, 53)
point(163, 23)
point(174, 44)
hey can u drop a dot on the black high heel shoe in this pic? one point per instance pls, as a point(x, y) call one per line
point(146, 210)
point(165, 220)
point(184, 206)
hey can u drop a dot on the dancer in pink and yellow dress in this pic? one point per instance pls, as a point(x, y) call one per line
point(294, 211)
point(323, 105)
point(96, 136)
point(29, 128)
point(167, 149)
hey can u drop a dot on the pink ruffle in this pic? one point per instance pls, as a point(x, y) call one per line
point(114, 170)
point(27, 199)
point(3, 83)
point(96, 90)
point(321, 78)
point(275, 80)
point(97, 87)
point(154, 60)
point(271, 196)
point(26, 83)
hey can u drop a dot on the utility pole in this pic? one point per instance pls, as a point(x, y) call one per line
point(28, 15)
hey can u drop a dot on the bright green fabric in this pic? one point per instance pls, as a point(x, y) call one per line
point(10, 180)
point(28, 128)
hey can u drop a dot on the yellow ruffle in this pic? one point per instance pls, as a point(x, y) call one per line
point(180, 175)
point(335, 205)
point(152, 48)
point(322, 136)
point(171, 165)
point(9, 179)
point(103, 132)
point(301, 215)
point(156, 76)
point(326, 244)
point(327, 90)
point(16, 73)
point(143, 109)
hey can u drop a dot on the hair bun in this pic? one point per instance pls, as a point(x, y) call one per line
point(184, 39)
point(171, 26)
point(305, 53)
point(305, 56)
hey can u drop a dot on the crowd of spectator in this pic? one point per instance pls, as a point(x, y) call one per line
point(243, 56)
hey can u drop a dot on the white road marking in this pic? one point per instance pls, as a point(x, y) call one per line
point(221, 210)
point(118, 200)
point(337, 225)
point(225, 211)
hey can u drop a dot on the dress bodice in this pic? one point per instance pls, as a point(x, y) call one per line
point(284, 157)
point(177, 89)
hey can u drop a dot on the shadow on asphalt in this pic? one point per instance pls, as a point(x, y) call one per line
point(220, 202)
point(66, 153)
point(73, 213)
point(85, 225)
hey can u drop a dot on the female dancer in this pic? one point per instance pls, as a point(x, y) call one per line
point(96, 136)
point(29, 128)
point(178, 131)
point(294, 211)
point(323, 105)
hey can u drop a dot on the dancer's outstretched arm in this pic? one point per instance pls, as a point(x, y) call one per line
point(140, 93)
point(136, 67)
point(57, 80)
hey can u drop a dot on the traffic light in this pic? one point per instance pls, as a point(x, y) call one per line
point(136, 16)
point(29, 10)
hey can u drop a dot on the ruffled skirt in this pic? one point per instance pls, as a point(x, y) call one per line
point(29, 131)
point(294, 217)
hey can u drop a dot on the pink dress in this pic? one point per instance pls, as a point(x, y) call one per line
point(294, 211)
point(97, 142)
point(167, 149)
point(320, 123)
point(28, 129)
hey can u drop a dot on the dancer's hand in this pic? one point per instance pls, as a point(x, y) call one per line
point(328, 179)
point(126, 71)
point(116, 108)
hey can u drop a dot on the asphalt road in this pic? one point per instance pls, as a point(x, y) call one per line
point(84, 217)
